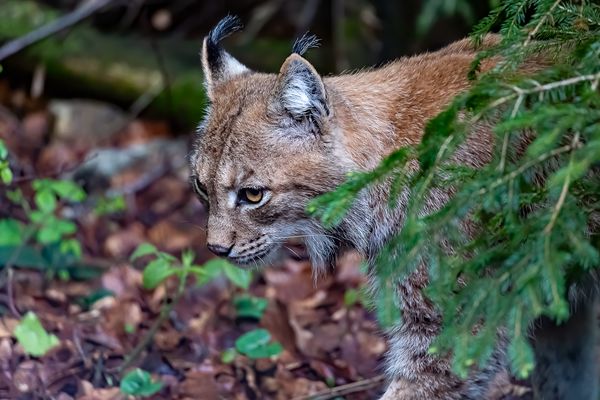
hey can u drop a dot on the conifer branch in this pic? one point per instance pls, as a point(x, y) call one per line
point(516, 267)
point(513, 174)
point(540, 23)
point(564, 190)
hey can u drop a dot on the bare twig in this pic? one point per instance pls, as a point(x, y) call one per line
point(10, 293)
point(87, 9)
point(342, 390)
point(77, 341)
point(557, 84)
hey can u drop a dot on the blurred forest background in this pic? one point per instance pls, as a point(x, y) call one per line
point(129, 46)
point(95, 125)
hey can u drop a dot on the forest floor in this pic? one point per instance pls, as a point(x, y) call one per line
point(328, 337)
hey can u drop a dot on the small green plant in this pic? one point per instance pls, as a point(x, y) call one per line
point(257, 344)
point(164, 265)
point(108, 205)
point(35, 340)
point(139, 383)
point(254, 344)
point(249, 306)
point(6, 175)
point(44, 238)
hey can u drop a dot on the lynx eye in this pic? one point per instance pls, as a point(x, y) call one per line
point(200, 189)
point(251, 195)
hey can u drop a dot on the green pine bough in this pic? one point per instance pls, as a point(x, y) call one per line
point(518, 268)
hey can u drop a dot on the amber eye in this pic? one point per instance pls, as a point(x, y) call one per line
point(251, 195)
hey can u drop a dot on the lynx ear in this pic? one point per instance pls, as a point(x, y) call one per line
point(218, 65)
point(301, 90)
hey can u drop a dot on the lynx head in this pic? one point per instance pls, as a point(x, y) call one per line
point(268, 144)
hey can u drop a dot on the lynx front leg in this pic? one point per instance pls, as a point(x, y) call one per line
point(416, 375)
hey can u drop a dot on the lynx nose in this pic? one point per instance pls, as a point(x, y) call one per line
point(219, 250)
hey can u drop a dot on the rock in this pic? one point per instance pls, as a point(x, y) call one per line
point(87, 121)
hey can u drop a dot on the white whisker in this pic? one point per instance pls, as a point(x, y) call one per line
point(292, 251)
point(306, 236)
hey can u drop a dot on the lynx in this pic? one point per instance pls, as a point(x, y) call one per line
point(270, 143)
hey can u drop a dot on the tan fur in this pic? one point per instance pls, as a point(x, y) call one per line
point(248, 139)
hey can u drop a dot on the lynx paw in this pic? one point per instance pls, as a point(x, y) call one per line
point(397, 390)
point(401, 389)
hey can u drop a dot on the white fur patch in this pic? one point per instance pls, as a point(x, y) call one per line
point(296, 96)
point(231, 67)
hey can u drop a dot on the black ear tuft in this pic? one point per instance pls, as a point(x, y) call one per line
point(224, 28)
point(218, 65)
point(307, 41)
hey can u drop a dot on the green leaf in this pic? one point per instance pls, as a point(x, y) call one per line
point(156, 272)
point(33, 337)
point(110, 205)
point(45, 200)
point(252, 339)
point(53, 229)
point(351, 297)
point(15, 196)
point(11, 232)
point(47, 234)
point(256, 344)
point(72, 247)
point(3, 150)
point(142, 250)
point(239, 277)
point(139, 383)
point(67, 190)
point(269, 350)
point(214, 267)
point(64, 226)
point(187, 258)
point(250, 306)
point(228, 356)
point(6, 175)
point(129, 328)
point(37, 216)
